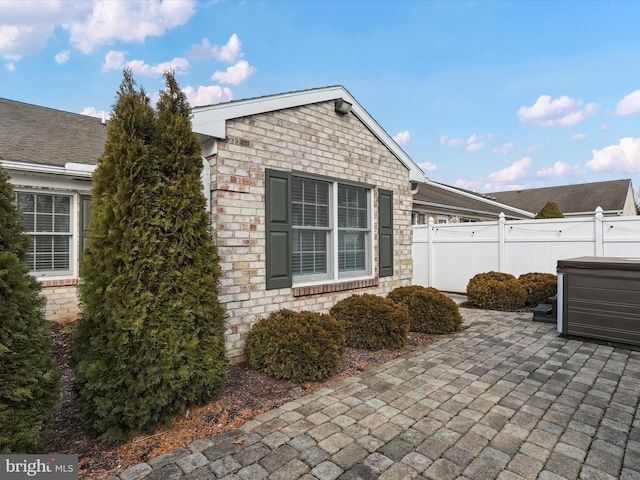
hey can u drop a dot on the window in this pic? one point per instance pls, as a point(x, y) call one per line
point(316, 217)
point(321, 230)
point(47, 220)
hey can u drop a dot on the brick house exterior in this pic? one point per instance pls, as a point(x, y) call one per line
point(301, 137)
point(320, 141)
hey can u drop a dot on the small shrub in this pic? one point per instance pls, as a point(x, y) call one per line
point(297, 346)
point(372, 322)
point(550, 210)
point(496, 291)
point(539, 287)
point(431, 310)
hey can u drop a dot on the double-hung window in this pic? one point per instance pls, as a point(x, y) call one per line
point(47, 220)
point(331, 230)
point(319, 230)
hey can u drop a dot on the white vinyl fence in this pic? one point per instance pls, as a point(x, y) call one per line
point(447, 256)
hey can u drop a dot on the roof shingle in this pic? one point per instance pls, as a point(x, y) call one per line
point(45, 136)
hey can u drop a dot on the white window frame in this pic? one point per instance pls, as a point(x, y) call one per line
point(72, 235)
point(333, 274)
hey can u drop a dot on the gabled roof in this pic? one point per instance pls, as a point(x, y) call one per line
point(578, 198)
point(45, 136)
point(457, 201)
point(210, 121)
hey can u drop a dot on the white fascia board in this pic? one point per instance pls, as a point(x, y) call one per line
point(524, 213)
point(211, 120)
point(446, 209)
point(69, 170)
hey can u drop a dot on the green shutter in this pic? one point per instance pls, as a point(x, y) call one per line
point(385, 233)
point(278, 225)
point(85, 220)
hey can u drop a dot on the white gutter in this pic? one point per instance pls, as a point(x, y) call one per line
point(70, 169)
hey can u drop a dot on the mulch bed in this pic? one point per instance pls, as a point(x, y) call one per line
point(246, 393)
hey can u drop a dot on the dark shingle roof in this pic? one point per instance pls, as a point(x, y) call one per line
point(584, 197)
point(452, 198)
point(33, 134)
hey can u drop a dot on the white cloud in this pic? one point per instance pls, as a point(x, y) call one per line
point(235, 74)
point(533, 148)
point(428, 166)
point(504, 148)
point(475, 138)
point(605, 128)
point(558, 169)
point(513, 172)
point(11, 67)
point(27, 25)
point(474, 143)
point(452, 142)
point(207, 95)
point(62, 57)
point(579, 136)
point(139, 67)
point(629, 104)
point(228, 53)
point(92, 112)
point(115, 60)
point(475, 147)
point(403, 138)
point(127, 21)
point(561, 112)
point(624, 157)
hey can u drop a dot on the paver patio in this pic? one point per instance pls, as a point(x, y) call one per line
point(507, 398)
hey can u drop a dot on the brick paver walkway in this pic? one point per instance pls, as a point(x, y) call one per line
point(507, 398)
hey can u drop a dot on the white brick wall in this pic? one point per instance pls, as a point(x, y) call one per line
point(62, 300)
point(312, 139)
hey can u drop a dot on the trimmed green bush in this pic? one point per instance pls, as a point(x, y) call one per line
point(496, 291)
point(431, 310)
point(539, 287)
point(28, 373)
point(372, 322)
point(151, 338)
point(297, 346)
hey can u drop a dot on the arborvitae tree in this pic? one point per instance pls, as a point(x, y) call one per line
point(151, 338)
point(28, 373)
point(550, 210)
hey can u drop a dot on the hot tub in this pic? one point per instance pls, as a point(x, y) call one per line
point(599, 297)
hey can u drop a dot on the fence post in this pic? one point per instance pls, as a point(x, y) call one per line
point(502, 257)
point(430, 253)
point(599, 232)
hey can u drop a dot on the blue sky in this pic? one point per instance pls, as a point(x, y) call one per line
point(482, 95)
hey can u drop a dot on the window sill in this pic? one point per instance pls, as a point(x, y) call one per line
point(334, 287)
point(57, 282)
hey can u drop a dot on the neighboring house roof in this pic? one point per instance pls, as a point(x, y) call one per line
point(613, 196)
point(437, 197)
point(210, 121)
point(45, 136)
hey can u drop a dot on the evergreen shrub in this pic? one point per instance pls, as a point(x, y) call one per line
point(431, 310)
point(496, 291)
point(151, 338)
point(297, 346)
point(28, 373)
point(550, 210)
point(372, 322)
point(539, 287)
